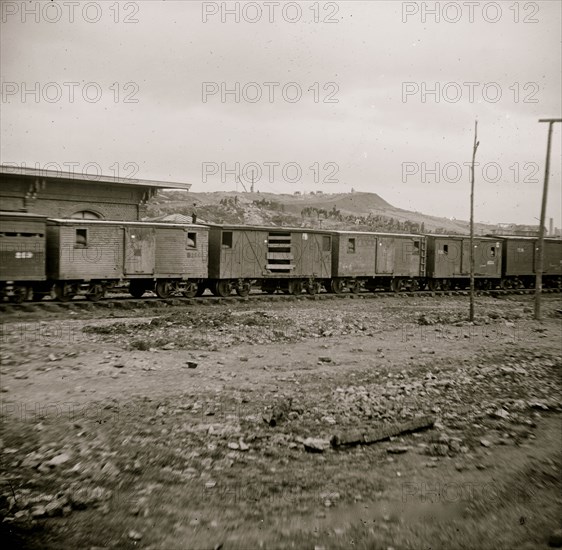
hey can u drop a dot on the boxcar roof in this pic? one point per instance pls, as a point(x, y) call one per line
point(350, 232)
point(481, 237)
point(524, 238)
point(73, 221)
point(235, 227)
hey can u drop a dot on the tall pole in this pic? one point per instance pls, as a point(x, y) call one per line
point(539, 265)
point(474, 148)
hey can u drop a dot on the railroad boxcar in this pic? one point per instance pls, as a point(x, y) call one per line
point(519, 257)
point(370, 260)
point(274, 258)
point(93, 255)
point(22, 255)
point(448, 261)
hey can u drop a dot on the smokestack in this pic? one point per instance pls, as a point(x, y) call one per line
point(551, 227)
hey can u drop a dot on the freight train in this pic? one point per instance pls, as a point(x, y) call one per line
point(63, 258)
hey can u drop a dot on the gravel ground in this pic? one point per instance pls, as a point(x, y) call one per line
point(210, 426)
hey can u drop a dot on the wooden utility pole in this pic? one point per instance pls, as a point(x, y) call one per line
point(474, 148)
point(539, 264)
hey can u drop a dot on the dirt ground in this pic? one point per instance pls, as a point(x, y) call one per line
point(209, 426)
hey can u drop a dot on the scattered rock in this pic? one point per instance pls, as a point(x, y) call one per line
point(398, 449)
point(134, 535)
point(315, 444)
point(58, 460)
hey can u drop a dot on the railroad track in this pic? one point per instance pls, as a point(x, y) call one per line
point(126, 302)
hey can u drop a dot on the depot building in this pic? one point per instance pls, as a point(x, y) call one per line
point(59, 194)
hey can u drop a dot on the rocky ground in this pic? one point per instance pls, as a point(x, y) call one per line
point(210, 426)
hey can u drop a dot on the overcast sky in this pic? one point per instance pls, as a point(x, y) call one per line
point(378, 133)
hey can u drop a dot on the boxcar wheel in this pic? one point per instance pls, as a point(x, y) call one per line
point(506, 284)
point(355, 287)
point(164, 289)
point(313, 288)
point(191, 289)
point(243, 289)
point(19, 295)
point(64, 292)
point(337, 286)
point(397, 285)
point(433, 285)
point(294, 288)
point(224, 288)
point(485, 284)
point(95, 293)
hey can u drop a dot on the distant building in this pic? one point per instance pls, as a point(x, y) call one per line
point(517, 229)
point(60, 194)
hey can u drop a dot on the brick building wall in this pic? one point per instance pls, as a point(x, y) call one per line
point(64, 198)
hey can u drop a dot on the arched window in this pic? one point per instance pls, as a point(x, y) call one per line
point(85, 215)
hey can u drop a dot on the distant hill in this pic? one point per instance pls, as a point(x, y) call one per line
point(360, 211)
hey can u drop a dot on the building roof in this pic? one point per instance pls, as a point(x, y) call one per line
point(6, 170)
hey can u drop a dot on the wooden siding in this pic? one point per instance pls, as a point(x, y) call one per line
point(22, 248)
point(449, 257)
point(102, 258)
point(140, 251)
point(360, 263)
point(22, 258)
point(400, 256)
point(552, 264)
point(250, 254)
point(519, 257)
point(174, 258)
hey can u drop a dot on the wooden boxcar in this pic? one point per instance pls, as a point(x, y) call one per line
point(94, 255)
point(371, 260)
point(448, 261)
point(519, 257)
point(22, 255)
point(287, 259)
